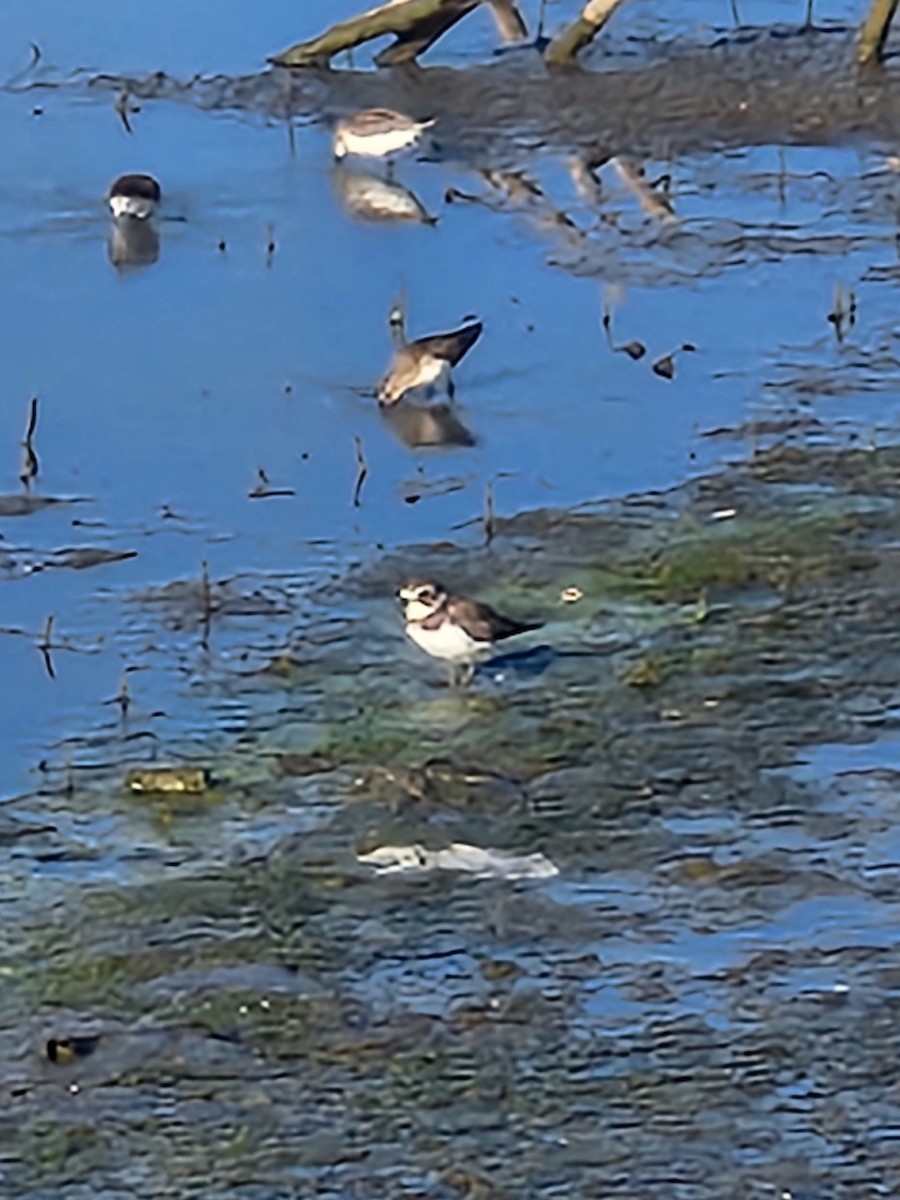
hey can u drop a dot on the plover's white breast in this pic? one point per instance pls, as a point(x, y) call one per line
point(431, 370)
point(141, 207)
point(380, 143)
point(448, 641)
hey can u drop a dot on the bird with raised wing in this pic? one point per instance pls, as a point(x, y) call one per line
point(427, 362)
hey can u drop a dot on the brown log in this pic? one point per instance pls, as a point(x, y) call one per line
point(875, 30)
point(416, 24)
point(565, 46)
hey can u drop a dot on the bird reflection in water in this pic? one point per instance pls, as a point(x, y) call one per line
point(426, 425)
point(369, 197)
point(132, 243)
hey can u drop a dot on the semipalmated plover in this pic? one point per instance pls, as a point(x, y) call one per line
point(454, 628)
point(377, 133)
point(134, 196)
point(426, 362)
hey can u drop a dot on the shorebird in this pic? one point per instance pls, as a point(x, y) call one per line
point(134, 196)
point(426, 362)
point(454, 628)
point(377, 133)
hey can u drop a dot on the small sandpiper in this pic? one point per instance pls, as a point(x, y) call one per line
point(454, 628)
point(377, 133)
point(427, 362)
point(134, 196)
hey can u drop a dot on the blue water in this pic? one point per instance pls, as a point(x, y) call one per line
point(172, 386)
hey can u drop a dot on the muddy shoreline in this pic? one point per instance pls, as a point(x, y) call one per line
point(288, 1006)
point(788, 87)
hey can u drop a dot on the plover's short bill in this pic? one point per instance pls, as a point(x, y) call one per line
point(134, 196)
point(377, 133)
point(453, 628)
point(426, 362)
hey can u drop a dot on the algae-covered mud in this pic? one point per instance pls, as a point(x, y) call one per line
point(685, 975)
point(286, 915)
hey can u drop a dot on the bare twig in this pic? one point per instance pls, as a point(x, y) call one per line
point(264, 490)
point(30, 465)
point(488, 521)
point(45, 645)
point(362, 470)
point(206, 605)
point(124, 109)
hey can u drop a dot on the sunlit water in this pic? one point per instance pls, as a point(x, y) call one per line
point(164, 391)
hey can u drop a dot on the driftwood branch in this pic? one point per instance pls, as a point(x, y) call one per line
point(875, 30)
point(582, 31)
point(509, 21)
point(416, 24)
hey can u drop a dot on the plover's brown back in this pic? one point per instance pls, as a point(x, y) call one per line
point(377, 133)
point(427, 361)
point(452, 347)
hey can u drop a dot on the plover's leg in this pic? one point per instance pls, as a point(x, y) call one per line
point(467, 674)
point(389, 170)
point(451, 388)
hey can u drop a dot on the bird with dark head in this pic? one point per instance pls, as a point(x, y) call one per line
point(134, 196)
point(455, 628)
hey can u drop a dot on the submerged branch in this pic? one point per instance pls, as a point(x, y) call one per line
point(875, 30)
point(416, 24)
point(580, 33)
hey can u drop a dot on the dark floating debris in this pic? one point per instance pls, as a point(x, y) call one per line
point(488, 520)
point(843, 313)
point(665, 367)
point(263, 489)
point(30, 464)
point(66, 1050)
point(362, 470)
point(80, 558)
point(634, 349)
point(298, 765)
point(45, 646)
